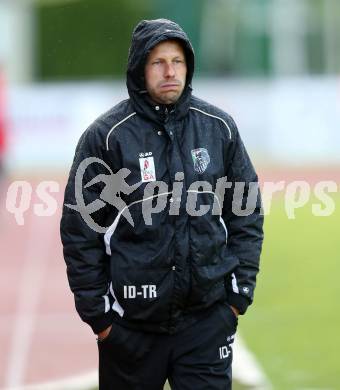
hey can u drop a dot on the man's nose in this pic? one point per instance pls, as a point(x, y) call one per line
point(169, 70)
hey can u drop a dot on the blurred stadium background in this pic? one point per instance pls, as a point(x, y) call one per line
point(274, 66)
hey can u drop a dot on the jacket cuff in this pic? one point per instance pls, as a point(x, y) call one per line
point(99, 324)
point(239, 301)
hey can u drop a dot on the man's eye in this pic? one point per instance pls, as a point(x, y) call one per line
point(156, 62)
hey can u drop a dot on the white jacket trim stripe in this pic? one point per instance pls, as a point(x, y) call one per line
point(116, 306)
point(213, 116)
point(116, 125)
point(234, 284)
point(111, 229)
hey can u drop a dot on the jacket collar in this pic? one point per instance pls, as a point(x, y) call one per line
point(161, 113)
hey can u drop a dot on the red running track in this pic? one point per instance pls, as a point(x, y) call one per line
point(41, 336)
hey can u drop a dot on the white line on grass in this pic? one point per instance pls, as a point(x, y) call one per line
point(246, 369)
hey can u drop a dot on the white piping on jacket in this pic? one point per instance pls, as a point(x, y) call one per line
point(116, 125)
point(111, 229)
point(107, 303)
point(116, 306)
point(234, 283)
point(213, 116)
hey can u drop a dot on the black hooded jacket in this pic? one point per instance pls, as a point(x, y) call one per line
point(160, 271)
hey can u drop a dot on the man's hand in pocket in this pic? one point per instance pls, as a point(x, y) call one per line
point(104, 333)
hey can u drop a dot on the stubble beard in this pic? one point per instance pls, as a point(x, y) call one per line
point(170, 97)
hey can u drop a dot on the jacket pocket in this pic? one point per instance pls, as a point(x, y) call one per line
point(210, 259)
point(143, 293)
point(124, 346)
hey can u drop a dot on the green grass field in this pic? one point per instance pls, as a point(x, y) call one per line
point(293, 327)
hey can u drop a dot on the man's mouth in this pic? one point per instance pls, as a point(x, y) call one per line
point(170, 85)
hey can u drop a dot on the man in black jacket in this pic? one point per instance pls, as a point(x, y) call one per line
point(161, 226)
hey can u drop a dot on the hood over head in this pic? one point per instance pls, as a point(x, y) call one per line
point(146, 35)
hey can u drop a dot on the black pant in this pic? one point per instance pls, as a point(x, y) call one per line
point(197, 358)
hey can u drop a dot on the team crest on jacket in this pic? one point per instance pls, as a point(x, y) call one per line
point(147, 167)
point(201, 159)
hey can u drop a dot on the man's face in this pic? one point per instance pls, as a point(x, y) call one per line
point(165, 72)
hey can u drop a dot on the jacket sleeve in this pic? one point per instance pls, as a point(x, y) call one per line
point(83, 247)
point(244, 221)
